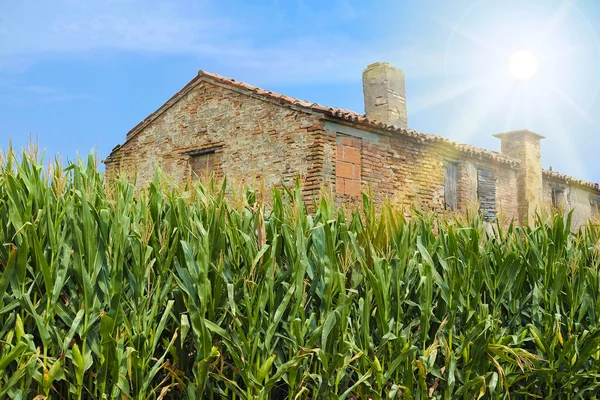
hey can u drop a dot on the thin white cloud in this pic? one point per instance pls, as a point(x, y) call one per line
point(17, 94)
point(119, 25)
point(68, 28)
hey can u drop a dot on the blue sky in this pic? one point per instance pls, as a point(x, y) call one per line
point(79, 74)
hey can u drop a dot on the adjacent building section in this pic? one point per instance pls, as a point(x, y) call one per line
point(569, 194)
point(222, 127)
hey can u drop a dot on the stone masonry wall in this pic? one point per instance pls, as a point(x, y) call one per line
point(506, 198)
point(261, 140)
point(527, 150)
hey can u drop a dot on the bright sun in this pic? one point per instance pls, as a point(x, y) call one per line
point(523, 65)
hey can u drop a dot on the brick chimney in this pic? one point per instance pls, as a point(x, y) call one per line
point(385, 94)
point(524, 146)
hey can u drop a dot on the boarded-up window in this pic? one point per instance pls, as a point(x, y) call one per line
point(205, 162)
point(348, 166)
point(451, 186)
point(557, 196)
point(486, 193)
point(595, 203)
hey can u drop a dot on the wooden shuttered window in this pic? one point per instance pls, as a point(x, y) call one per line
point(205, 162)
point(486, 193)
point(595, 205)
point(348, 166)
point(451, 186)
point(558, 193)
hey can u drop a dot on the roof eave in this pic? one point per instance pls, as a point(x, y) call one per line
point(571, 180)
point(337, 114)
point(390, 130)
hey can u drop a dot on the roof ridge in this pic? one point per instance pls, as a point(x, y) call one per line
point(355, 117)
point(332, 112)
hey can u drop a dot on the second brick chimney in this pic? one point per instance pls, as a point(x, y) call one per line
point(385, 94)
point(524, 146)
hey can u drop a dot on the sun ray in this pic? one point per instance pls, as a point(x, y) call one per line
point(574, 106)
point(469, 35)
point(446, 94)
point(528, 108)
point(558, 54)
point(557, 18)
point(561, 144)
point(510, 118)
point(559, 39)
point(468, 123)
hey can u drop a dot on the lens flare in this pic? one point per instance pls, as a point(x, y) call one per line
point(523, 65)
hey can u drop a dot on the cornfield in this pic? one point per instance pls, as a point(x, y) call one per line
point(106, 292)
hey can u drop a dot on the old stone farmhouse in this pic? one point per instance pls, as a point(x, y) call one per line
point(230, 128)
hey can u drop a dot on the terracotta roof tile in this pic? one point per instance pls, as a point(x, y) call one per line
point(333, 112)
point(570, 180)
point(354, 117)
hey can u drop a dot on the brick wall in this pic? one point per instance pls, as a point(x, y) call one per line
point(255, 136)
point(260, 140)
point(506, 194)
point(410, 172)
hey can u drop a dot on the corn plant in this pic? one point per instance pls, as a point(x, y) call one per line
point(111, 291)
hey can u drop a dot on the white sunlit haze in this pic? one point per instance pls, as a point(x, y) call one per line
point(530, 71)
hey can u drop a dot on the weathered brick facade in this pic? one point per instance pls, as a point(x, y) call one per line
point(257, 140)
point(409, 170)
point(233, 129)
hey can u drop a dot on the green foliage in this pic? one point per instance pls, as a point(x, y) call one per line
point(106, 292)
